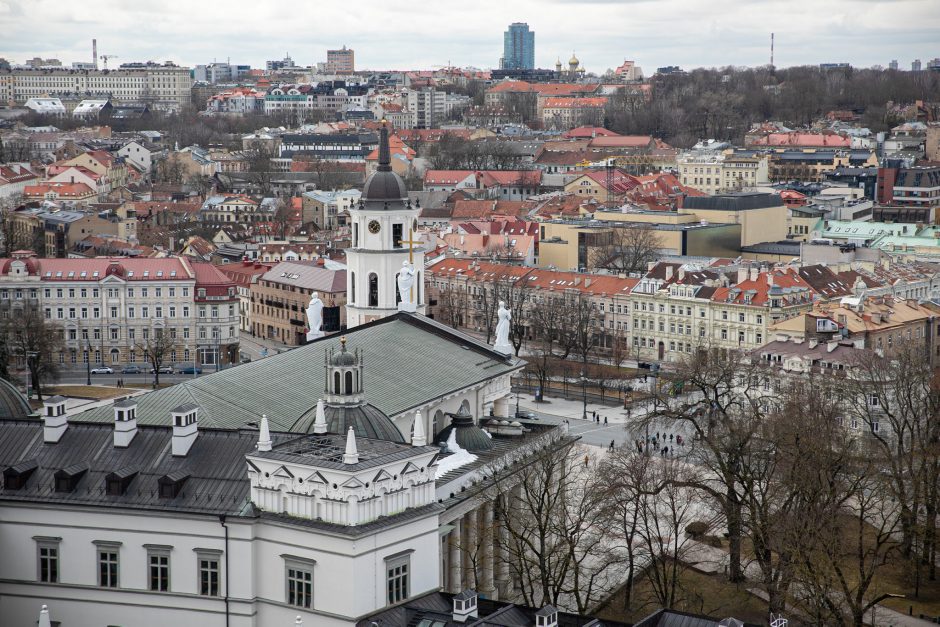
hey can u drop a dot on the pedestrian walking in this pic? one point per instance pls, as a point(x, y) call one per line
point(586, 460)
point(605, 420)
point(670, 437)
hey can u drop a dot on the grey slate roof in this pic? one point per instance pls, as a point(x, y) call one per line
point(741, 201)
point(408, 360)
point(216, 481)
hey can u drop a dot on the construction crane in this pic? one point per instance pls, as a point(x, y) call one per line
point(105, 58)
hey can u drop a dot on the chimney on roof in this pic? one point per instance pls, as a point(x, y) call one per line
point(813, 343)
point(754, 272)
point(185, 429)
point(54, 419)
point(587, 282)
point(742, 275)
point(831, 346)
point(546, 617)
point(125, 422)
point(465, 606)
point(669, 272)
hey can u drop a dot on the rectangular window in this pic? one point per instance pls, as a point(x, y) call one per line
point(108, 567)
point(48, 551)
point(158, 570)
point(397, 571)
point(208, 574)
point(299, 585)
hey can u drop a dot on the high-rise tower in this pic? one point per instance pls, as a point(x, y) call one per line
point(518, 47)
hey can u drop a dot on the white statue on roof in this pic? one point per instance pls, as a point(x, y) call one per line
point(502, 329)
point(314, 317)
point(406, 281)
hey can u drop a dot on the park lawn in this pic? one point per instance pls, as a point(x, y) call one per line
point(700, 593)
point(96, 392)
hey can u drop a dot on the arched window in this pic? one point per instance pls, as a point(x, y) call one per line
point(349, 382)
point(352, 288)
point(336, 389)
point(373, 290)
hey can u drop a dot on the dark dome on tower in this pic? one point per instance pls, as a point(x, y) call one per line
point(344, 403)
point(384, 185)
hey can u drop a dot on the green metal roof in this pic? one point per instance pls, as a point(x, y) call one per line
point(408, 361)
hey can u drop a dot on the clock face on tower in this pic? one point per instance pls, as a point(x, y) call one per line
point(374, 226)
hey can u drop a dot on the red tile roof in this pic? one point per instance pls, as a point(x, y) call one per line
point(575, 103)
point(813, 140)
point(130, 269)
point(622, 141)
point(590, 132)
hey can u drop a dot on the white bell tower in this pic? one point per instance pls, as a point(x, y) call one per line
point(384, 223)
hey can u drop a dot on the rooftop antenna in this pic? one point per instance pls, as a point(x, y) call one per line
point(771, 53)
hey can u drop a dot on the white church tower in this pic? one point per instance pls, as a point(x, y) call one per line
point(384, 223)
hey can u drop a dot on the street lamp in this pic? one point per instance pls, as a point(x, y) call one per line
point(87, 363)
point(584, 395)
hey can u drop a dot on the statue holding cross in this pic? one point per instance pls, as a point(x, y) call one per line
point(407, 276)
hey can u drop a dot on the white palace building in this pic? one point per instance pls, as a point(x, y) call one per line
point(333, 484)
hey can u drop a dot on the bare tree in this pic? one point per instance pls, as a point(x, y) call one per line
point(554, 531)
point(723, 406)
point(38, 341)
point(896, 397)
point(452, 306)
point(627, 249)
point(157, 348)
point(546, 319)
point(200, 183)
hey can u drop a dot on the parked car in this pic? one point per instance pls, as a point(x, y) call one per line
point(524, 414)
point(131, 370)
point(102, 370)
point(163, 370)
point(188, 370)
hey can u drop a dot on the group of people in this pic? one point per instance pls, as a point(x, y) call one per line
point(597, 418)
point(664, 443)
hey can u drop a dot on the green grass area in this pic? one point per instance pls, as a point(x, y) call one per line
point(699, 593)
point(97, 392)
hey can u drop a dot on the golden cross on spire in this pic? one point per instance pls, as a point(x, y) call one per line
point(411, 243)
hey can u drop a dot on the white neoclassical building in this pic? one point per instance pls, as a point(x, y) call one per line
point(318, 482)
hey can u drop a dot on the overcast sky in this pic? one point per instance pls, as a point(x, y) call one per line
point(406, 35)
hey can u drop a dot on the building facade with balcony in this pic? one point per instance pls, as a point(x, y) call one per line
point(280, 297)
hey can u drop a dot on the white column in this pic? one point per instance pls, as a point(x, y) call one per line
point(501, 407)
point(486, 549)
point(470, 549)
point(453, 538)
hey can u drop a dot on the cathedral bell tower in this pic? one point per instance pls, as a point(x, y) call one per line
point(384, 224)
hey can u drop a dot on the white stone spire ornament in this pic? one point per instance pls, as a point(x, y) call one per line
point(352, 453)
point(319, 425)
point(264, 435)
point(44, 620)
point(419, 438)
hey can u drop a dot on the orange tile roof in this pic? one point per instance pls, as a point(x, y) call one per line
point(575, 103)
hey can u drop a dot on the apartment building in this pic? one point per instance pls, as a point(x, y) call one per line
point(341, 61)
point(718, 173)
point(111, 309)
point(328, 209)
point(244, 275)
point(431, 107)
point(463, 293)
point(280, 297)
point(163, 86)
point(677, 308)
